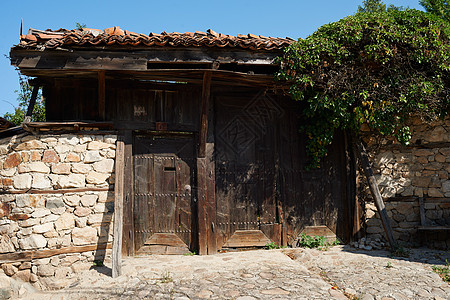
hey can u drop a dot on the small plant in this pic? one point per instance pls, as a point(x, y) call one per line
point(443, 272)
point(166, 277)
point(318, 241)
point(190, 253)
point(388, 265)
point(400, 251)
point(272, 245)
point(97, 263)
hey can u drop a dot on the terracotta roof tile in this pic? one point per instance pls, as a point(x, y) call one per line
point(115, 36)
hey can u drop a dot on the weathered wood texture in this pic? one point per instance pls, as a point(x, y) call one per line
point(101, 94)
point(118, 209)
point(261, 181)
point(163, 169)
point(373, 186)
point(36, 254)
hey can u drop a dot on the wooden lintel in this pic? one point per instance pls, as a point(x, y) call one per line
point(206, 91)
point(118, 211)
point(101, 95)
point(60, 191)
point(36, 254)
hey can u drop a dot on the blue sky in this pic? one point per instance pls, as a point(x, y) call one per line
point(295, 19)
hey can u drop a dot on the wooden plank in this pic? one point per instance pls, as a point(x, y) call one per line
point(118, 210)
point(204, 115)
point(61, 191)
point(101, 95)
point(247, 238)
point(201, 206)
point(167, 239)
point(36, 254)
point(320, 231)
point(31, 104)
point(162, 249)
point(128, 225)
point(373, 186)
point(422, 212)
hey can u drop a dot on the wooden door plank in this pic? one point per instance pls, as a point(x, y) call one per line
point(247, 238)
point(118, 210)
point(168, 239)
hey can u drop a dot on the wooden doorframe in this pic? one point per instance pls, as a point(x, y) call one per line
point(206, 204)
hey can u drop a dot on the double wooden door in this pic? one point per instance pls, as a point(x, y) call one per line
point(163, 207)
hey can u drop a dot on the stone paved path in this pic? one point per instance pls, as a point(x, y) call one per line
point(339, 273)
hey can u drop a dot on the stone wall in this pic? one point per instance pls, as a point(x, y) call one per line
point(56, 193)
point(405, 173)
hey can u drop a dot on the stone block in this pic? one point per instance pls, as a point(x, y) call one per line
point(73, 157)
point(25, 265)
point(36, 155)
point(99, 218)
point(89, 200)
point(104, 166)
point(36, 166)
point(22, 181)
point(96, 178)
point(92, 156)
point(434, 192)
point(41, 181)
point(72, 200)
point(82, 212)
point(421, 181)
point(23, 275)
point(60, 149)
point(422, 152)
point(42, 228)
point(9, 269)
point(81, 168)
point(97, 145)
point(6, 245)
point(34, 241)
point(80, 148)
point(54, 203)
point(72, 181)
point(28, 223)
point(46, 270)
point(30, 145)
point(61, 169)
point(70, 140)
point(84, 236)
point(374, 229)
point(65, 221)
point(12, 160)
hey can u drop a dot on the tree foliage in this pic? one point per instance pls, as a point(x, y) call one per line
point(374, 6)
point(440, 8)
point(23, 98)
point(372, 68)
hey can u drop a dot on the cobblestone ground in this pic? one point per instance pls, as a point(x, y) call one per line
point(339, 273)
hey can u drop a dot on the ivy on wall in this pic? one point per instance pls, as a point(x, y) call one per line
point(373, 68)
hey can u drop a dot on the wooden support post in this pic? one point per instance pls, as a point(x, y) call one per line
point(376, 194)
point(204, 118)
point(205, 178)
point(101, 95)
point(118, 210)
point(31, 104)
point(128, 201)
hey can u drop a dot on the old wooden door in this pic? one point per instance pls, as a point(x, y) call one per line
point(163, 205)
point(246, 170)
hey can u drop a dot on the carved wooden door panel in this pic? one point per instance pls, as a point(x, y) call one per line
point(163, 206)
point(246, 171)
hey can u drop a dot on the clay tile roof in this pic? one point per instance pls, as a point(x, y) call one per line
point(115, 36)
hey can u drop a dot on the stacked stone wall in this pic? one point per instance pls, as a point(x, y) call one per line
point(56, 193)
point(406, 173)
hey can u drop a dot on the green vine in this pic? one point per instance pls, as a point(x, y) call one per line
point(372, 68)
